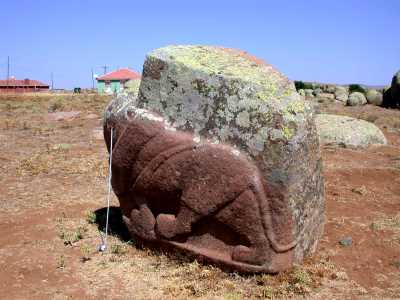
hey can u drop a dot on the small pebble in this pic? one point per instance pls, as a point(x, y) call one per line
point(347, 241)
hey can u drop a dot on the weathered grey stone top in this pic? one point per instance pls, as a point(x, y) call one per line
point(222, 94)
point(212, 60)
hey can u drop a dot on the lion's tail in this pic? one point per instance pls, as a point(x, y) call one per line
point(258, 189)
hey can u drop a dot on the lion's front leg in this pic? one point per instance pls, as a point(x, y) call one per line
point(169, 226)
point(142, 222)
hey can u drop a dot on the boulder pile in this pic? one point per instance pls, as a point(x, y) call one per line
point(341, 94)
point(352, 95)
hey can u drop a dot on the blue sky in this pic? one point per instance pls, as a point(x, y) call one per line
point(341, 41)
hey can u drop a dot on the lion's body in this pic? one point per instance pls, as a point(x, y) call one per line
point(178, 189)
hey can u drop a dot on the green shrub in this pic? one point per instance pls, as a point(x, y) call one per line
point(56, 105)
point(91, 217)
point(85, 251)
point(357, 88)
point(70, 237)
point(61, 262)
point(300, 85)
point(118, 249)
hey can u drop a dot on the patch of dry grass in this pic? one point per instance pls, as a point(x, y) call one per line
point(155, 274)
point(32, 166)
point(43, 102)
point(56, 160)
point(388, 121)
point(388, 223)
point(69, 232)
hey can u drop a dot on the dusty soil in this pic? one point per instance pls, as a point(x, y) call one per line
point(52, 199)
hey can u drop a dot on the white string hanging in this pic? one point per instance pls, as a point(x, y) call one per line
point(103, 245)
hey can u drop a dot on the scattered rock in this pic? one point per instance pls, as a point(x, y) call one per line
point(374, 97)
point(330, 89)
point(348, 132)
point(356, 98)
point(347, 241)
point(219, 96)
point(92, 116)
point(341, 94)
point(63, 115)
point(309, 93)
point(302, 92)
point(326, 95)
point(360, 190)
point(317, 92)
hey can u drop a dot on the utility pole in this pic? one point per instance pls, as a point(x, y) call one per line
point(92, 80)
point(8, 69)
point(105, 67)
point(52, 80)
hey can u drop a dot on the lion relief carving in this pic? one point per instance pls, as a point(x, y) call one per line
point(209, 200)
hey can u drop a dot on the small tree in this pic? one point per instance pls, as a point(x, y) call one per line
point(356, 88)
point(300, 85)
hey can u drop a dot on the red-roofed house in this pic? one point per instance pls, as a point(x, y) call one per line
point(13, 85)
point(115, 82)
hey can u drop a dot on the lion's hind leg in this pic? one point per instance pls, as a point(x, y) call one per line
point(243, 217)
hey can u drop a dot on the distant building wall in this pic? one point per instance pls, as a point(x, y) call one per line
point(101, 87)
point(109, 87)
point(12, 85)
point(115, 86)
point(22, 89)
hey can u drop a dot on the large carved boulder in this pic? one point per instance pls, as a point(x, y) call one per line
point(218, 156)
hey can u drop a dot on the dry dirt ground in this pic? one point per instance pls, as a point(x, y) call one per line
point(52, 199)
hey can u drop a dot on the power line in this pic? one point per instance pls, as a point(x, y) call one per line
point(105, 67)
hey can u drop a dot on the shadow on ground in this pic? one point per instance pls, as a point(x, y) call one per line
point(116, 226)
